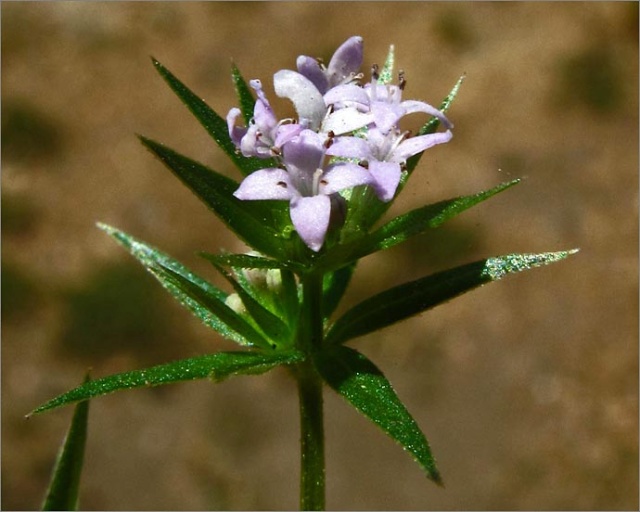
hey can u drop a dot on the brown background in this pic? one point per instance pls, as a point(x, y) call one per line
point(527, 389)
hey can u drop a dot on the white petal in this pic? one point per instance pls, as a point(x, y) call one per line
point(346, 120)
point(310, 217)
point(306, 98)
point(266, 184)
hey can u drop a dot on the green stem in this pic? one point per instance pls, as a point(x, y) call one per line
point(312, 470)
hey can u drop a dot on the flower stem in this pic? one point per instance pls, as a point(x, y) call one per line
point(312, 470)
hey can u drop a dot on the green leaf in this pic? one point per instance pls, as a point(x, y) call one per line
point(245, 97)
point(333, 288)
point(215, 125)
point(217, 367)
point(64, 487)
point(243, 261)
point(273, 327)
point(405, 226)
point(406, 300)
point(202, 298)
point(258, 223)
point(356, 379)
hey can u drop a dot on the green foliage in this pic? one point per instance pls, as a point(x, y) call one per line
point(362, 384)
point(216, 367)
point(64, 487)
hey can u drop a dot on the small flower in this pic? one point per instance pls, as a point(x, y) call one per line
point(384, 154)
point(379, 104)
point(343, 66)
point(306, 183)
point(265, 135)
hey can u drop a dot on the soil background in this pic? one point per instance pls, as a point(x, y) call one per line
point(527, 389)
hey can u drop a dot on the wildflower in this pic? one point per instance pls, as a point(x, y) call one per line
point(384, 154)
point(265, 135)
point(309, 185)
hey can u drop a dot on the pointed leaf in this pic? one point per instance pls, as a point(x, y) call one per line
point(406, 300)
point(258, 223)
point(334, 286)
point(215, 125)
point(202, 298)
point(243, 260)
point(217, 367)
point(273, 327)
point(245, 97)
point(356, 379)
point(405, 226)
point(64, 487)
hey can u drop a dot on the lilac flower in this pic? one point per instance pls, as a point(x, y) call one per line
point(379, 104)
point(265, 135)
point(384, 154)
point(343, 66)
point(306, 183)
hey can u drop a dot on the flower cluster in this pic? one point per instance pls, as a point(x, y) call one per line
point(347, 134)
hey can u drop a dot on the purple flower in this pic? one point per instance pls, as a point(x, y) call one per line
point(385, 154)
point(306, 183)
point(379, 104)
point(265, 135)
point(343, 66)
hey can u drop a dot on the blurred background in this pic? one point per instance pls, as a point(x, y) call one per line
point(527, 389)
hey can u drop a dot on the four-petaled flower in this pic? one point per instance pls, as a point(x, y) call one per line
point(307, 183)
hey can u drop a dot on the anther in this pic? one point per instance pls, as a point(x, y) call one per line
point(374, 72)
point(402, 83)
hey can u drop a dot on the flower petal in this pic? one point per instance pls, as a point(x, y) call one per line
point(346, 60)
point(414, 145)
point(347, 94)
point(346, 120)
point(235, 132)
point(310, 217)
point(306, 98)
point(386, 115)
point(269, 183)
point(350, 147)
point(386, 176)
point(412, 106)
point(310, 68)
point(341, 176)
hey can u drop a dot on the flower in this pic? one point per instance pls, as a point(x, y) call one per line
point(309, 185)
point(384, 154)
point(380, 104)
point(265, 135)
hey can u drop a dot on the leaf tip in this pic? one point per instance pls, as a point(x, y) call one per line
point(497, 268)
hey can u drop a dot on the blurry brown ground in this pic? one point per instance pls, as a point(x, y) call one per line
point(527, 388)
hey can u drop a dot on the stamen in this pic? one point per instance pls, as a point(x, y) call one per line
point(374, 72)
point(329, 141)
point(282, 184)
point(364, 163)
point(315, 186)
point(402, 83)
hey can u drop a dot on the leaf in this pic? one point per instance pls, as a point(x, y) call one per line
point(247, 102)
point(356, 379)
point(202, 298)
point(334, 286)
point(215, 125)
point(273, 327)
point(64, 487)
point(258, 223)
point(405, 226)
point(243, 261)
point(217, 367)
point(408, 299)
